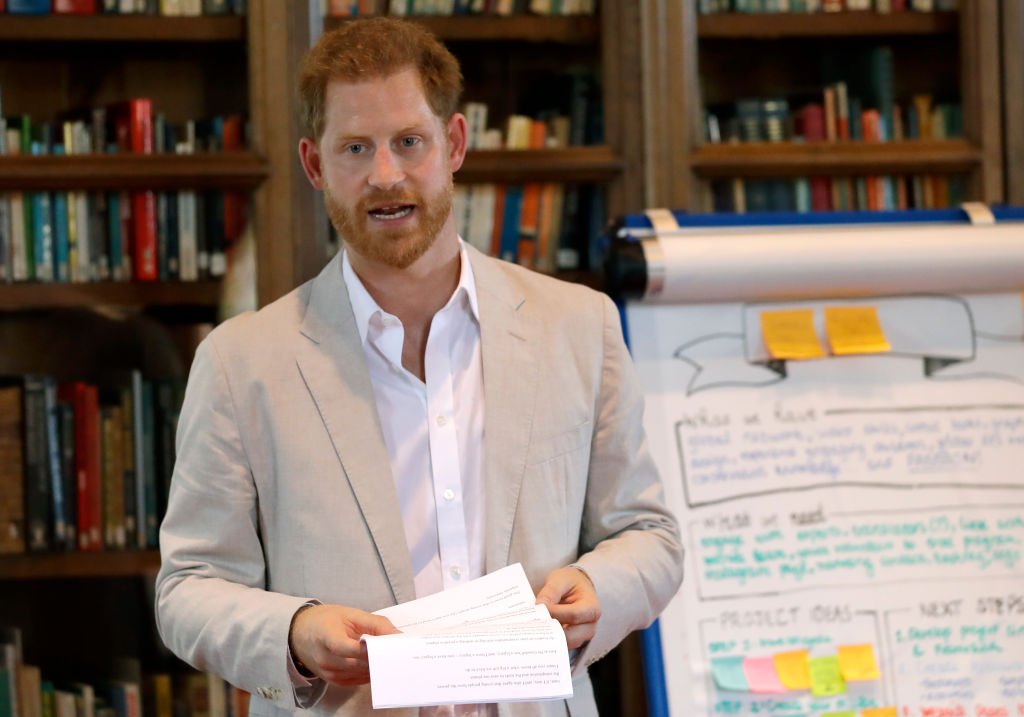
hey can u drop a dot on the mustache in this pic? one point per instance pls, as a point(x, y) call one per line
point(382, 198)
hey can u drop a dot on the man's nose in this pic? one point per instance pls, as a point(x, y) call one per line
point(387, 170)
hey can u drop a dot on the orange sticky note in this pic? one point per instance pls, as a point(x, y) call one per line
point(857, 662)
point(790, 334)
point(879, 712)
point(826, 679)
point(794, 673)
point(855, 330)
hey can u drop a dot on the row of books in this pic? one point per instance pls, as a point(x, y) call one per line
point(128, 126)
point(880, 6)
point(81, 237)
point(823, 194)
point(572, 118)
point(545, 226)
point(837, 119)
point(192, 8)
point(84, 468)
point(127, 692)
point(352, 8)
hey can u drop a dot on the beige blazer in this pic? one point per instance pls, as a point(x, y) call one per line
point(282, 488)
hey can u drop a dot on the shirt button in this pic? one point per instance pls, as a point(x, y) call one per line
point(441, 421)
point(456, 571)
point(449, 494)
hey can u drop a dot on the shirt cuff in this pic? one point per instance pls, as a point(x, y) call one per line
point(307, 691)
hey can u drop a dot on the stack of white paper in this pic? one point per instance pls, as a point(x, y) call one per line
point(485, 641)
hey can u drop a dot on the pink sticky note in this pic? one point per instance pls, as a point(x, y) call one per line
point(762, 675)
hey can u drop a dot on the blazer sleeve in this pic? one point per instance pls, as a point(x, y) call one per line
point(212, 606)
point(630, 541)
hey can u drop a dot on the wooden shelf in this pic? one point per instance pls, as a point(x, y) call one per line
point(17, 297)
point(223, 170)
point(760, 159)
point(572, 164)
point(36, 566)
point(121, 28)
point(567, 30)
point(780, 25)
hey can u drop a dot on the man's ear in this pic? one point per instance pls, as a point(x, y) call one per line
point(457, 140)
point(309, 155)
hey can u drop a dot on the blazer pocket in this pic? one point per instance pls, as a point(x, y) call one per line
point(546, 446)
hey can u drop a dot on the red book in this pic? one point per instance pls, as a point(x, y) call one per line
point(234, 202)
point(85, 400)
point(73, 7)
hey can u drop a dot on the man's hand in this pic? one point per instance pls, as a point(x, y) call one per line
point(571, 599)
point(325, 639)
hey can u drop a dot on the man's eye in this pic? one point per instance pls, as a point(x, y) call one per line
point(355, 148)
point(410, 141)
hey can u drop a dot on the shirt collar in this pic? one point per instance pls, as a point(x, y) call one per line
point(364, 307)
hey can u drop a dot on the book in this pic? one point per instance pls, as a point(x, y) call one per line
point(85, 400)
point(75, 7)
point(38, 484)
point(12, 475)
point(28, 7)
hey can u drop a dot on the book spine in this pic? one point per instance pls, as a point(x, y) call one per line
point(37, 475)
point(12, 478)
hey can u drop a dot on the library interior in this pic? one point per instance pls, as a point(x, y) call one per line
point(151, 189)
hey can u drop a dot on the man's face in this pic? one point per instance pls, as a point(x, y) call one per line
point(386, 168)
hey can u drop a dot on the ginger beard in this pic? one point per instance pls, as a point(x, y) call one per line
point(396, 247)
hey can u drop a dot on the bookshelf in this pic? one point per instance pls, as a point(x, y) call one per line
point(193, 67)
point(64, 566)
point(696, 60)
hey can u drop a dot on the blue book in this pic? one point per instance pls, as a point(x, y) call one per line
point(508, 249)
point(42, 229)
point(53, 455)
point(28, 7)
point(61, 239)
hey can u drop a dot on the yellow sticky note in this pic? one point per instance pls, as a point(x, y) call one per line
point(826, 679)
point(844, 713)
point(857, 662)
point(793, 670)
point(855, 330)
point(790, 334)
point(879, 712)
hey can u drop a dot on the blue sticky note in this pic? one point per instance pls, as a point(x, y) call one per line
point(728, 674)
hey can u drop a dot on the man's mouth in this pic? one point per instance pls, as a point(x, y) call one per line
point(391, 213)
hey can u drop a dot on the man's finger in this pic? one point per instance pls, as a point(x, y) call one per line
point(576, 635)
point(554, 589)
point(575, 613)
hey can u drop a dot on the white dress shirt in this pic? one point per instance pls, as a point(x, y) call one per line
point(433, 431)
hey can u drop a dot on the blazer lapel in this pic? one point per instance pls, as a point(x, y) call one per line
point(510, 377)
point(331, 361)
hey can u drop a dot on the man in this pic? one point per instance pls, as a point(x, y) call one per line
point(416, 416)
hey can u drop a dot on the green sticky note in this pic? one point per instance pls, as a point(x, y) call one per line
point(826, 678)
point(728, 674)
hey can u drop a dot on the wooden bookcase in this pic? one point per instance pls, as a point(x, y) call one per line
point(686, 52)
point(194, 67)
